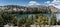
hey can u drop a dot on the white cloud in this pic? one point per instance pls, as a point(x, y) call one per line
point(47, 2)
point(55, 3)
point(33, 3)
point(58, 6)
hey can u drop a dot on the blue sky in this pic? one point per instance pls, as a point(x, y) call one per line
point(55, 3)
point(21, 2)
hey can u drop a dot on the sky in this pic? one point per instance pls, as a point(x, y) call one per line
point(55, 3)
point(23, 2)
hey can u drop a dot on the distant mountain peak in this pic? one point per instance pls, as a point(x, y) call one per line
point(53, 9)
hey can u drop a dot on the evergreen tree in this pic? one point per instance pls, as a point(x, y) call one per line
point(53, 20)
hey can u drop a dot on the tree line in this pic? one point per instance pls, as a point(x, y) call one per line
point(39, 19)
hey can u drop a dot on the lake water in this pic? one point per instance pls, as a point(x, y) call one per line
point(30, 15)
point(58, 16)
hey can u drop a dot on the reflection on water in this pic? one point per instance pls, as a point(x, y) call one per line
point(30, 15)
point(34, 15)
point(58, 16)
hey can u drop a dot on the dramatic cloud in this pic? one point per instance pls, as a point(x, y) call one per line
point(33, 3)
point(55, 3)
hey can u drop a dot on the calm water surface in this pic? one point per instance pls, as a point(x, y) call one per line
point(30, 15)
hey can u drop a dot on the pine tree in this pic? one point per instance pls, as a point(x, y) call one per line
point(53, 20)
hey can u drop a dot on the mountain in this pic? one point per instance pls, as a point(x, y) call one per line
point(53, 9)
point(24, 9)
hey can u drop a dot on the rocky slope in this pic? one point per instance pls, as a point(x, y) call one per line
point(29, 9)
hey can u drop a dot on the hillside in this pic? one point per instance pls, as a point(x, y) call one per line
point(25, 9)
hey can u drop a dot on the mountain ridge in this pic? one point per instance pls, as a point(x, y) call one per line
point(25, 9)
